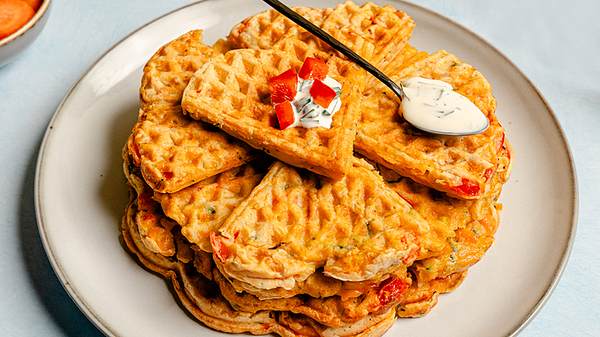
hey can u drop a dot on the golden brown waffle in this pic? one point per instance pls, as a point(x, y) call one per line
point(196, 293)
point(448, 164)
point(154, 230)
point(169, 70)
point(198, 209)
point(407, 56)
point(200, 296)
point(355, 228)
point(465, 228)
point(316, 285)
point(370, 326)
point(265, 29)
point(201, 208)
point(172, 150)
point(333, 311)
point(385, 29)
point(231, 92)
point(421, 298)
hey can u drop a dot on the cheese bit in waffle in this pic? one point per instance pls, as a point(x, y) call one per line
point(459, 166)
point(172, 150)
point(232, 92)
point(201, 208)
point(294, 222)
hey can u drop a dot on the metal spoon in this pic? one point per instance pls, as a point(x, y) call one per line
point(351, 55)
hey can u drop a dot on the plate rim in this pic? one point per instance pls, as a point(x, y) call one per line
point(106, 329)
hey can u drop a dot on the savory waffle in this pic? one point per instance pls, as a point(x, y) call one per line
point(154, 230)
point(385, 29)
point(199, 295)
point(369, 326)
point(346, 307)
point(332, 311)
point(459, 166)
point(316, 285)
point(265, 29)
point(172, 150)
point(421, 297)
point(466, 227)
point(292, 223)
point(169, 70)
point(195, 292)
point(201, 208)
point(231, 92)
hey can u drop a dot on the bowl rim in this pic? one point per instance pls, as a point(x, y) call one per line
point(28, 25)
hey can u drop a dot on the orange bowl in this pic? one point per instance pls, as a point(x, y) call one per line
point(13, 44)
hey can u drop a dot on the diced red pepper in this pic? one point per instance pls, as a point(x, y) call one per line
point(146, 203)
point(501, 143)
point(283, 86)
point(391, 289)
point(285, 114)
point(410, 202)
point(148, 216)
point(136, 155)
point(488, 173)
point(467, 188)
point(221, 251)
point(321, 93)
point(313, 68)
point(168, 175)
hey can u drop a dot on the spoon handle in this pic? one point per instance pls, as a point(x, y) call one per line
point(335, 44)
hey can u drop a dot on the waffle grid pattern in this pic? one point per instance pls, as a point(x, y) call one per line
point(439, 162)
point(173, 150)
point(231, 92)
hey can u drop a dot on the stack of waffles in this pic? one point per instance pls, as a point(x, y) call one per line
point(311, 232)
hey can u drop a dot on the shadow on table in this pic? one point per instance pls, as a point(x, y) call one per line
point(48, 288)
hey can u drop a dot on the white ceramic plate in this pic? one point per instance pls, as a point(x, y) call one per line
point(81, 193)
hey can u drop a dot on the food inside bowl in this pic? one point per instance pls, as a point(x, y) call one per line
point(14, 14)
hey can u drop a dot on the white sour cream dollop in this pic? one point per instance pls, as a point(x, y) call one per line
point(433, 105)
point(307, 113)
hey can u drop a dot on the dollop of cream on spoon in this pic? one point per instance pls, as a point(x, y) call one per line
point(433, 105)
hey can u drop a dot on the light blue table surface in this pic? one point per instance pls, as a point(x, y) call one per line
point(556, 43)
